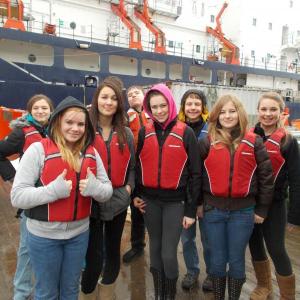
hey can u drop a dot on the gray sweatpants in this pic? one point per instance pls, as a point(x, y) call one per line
point(164, 224)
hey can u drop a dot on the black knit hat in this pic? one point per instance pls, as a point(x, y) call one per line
point(68, 103)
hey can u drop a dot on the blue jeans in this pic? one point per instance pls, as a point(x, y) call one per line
point(228, 234)
point(189, 247)
point(57, 266)
point(23, 284)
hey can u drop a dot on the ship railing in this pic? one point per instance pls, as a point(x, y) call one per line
point(91, 33)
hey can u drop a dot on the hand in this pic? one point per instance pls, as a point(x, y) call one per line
point(258, 219)
point(128, 189)
point(199, 212)
point(140, 204)
point(292, 227)
point(187, 222)
point(84, 182)
point(68, 182)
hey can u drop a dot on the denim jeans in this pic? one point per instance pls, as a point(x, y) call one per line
point(57, 266)
point(228, 234)
point(189, 247)
point(23, 283)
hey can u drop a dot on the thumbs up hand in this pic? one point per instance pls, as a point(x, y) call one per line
point(68, 182)
point(84, 182)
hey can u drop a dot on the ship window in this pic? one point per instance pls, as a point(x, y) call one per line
point(212, 18)
point(270, 26)
point(198, 48)
point(32, 58)
point(291, 4)
point(81, 60)
point(199, 74)
point(123, 65)
point(171, 44)
point(252, 53)
point(153, 68)
point(175, 72)
point(254, 21)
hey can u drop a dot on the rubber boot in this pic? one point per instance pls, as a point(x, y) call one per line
point(106, 291)
point(219, 285)
point(159, 284)
point(287, 287)
point(91, 296)
point(170, 289)
point(264, 289)
point(235, 288)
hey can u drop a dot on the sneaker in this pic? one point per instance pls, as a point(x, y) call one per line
point(207, 285)
point(132, 254)
point(189, 281)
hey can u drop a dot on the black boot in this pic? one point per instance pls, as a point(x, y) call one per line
point(170, 291)
point(219, 285)
point(159, 283)
point(235, 288)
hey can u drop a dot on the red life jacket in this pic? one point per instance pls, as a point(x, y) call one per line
point(223, 183)
point(116, 162)
point(162, 168)
point(273, 148)
point(32, 135)
point(75, 207)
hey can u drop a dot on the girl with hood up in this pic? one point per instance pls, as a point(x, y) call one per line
point(54, 183)
point(193, 112)
point(168, 185)
point(30, 128)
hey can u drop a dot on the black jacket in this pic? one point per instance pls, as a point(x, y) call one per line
point(190, 182)
point(288, 180)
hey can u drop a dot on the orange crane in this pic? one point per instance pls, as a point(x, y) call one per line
point(142, 13)
point(13, 11)
point(135, 41)
point(230, 51)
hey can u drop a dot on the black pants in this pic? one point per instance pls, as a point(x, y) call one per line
point(137, 228)
point(164, 225)
point(272, 231)
point(103, 254)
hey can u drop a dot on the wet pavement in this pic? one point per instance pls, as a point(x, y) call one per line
point(134, 281)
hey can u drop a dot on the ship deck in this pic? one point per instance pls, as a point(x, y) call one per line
point(134, 281)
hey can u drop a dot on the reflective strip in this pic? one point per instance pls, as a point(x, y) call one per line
point(31, 133)
point(274, 142)
point(51, 156)
point(176, 135)
point(248, 143)
point(150, 134)
point(90, 156)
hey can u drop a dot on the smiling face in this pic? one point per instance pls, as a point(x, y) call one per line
point(193, 108)
point(72, 126)
point(41, 111)
point(268, 114)
point(107, 102)
point(228, 117)
point(159, 108)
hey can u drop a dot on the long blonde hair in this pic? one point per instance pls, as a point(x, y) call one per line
point(215, 130)
point(71, 156)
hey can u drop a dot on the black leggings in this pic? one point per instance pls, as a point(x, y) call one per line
point(273, 232)
point(164, 224)
point(98, 252)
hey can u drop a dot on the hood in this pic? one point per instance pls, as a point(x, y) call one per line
point(68, 103)
point(165, 91)
point(204, 115)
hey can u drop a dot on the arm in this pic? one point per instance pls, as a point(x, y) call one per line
point(99, 187)
point(24, 194)
point(131, 167)
point(194, 170)
point(293, 167)
point(13, 144)
point(264, 172)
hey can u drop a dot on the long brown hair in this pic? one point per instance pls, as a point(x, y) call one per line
point(215, 130)
point(119, 118)
point(71, 156)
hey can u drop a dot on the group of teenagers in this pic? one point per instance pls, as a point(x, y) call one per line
point(80, 169)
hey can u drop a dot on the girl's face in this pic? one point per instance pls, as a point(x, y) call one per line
point(193, 108)
point(107, 102)
point(41, 111)
point(73, 126)
point(268, 113)
point(159, 108)
point(228, 117)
